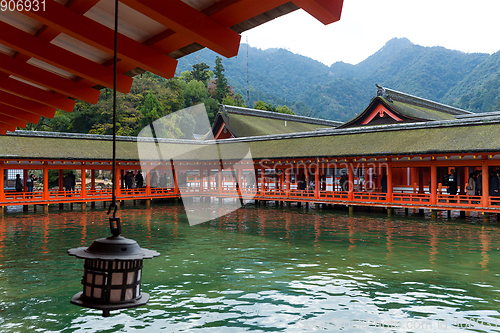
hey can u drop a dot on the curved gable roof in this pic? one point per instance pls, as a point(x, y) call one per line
point(245, 122)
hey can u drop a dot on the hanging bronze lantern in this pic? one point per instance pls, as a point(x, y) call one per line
point(113, 272)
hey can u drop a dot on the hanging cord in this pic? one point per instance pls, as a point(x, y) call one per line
point(114, 230)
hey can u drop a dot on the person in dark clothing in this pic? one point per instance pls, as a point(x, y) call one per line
point(302, 182)
point(139, 179)
point(129, 176)
point(73, 180)
point(494, 184)
point(19, 183)
point(452, 183)
point(479, 183)
point(383, 183)
point(344, 182)
point(67, 182)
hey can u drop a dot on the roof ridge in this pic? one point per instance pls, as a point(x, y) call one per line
point(395, 95)
point(276, 115)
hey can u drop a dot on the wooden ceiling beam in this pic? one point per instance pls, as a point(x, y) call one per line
point(325, 11)
point(13, 121)
point(4, 128)
point(26, 105)
point(25, 90)
point(47, 79)
point(61, 58)
point(10, 111)
point(191, 23)
point(65, 20)
point(227, 13)
point(244, 10)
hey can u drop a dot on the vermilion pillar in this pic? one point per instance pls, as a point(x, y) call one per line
point(92, 179)
point(45, 181)
point(25, 177)
point(60, 181)
point(84, 183)
point(389, 183)
point(486, 188)
point(2, 184)
point(316, 183)
point(262, 180)
point(219, 181)
point(350, 195)
point(287, 176)
point(148, 181)
point(433, 184)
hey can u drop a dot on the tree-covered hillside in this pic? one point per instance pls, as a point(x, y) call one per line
point(341, 91)
point(479, 91)
point(281, 80)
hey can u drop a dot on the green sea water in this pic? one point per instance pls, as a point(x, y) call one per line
point(268, 269)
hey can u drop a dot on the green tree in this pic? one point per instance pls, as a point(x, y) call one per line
point(284, 109)
point(151, 110)
point(201, 73)
point(234, 100)
point(221, 86)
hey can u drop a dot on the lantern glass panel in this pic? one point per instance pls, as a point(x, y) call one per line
point(117, 279)
point(88, 291)
point(129, 294)
point(115, 295)
point(89, 278)
point(131, 278)
point(97, 292)
point(98, 280)
point(139, 275)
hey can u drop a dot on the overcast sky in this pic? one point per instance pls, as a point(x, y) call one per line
point(366, 25)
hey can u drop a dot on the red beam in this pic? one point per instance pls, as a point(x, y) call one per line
point(47, 79)
point(26, 105)
point(228, 13)
point(19, 88)
point(244, 10)
point(61, 58)
point(189, 22)
point(99, 36)
point(5, 127)
point(13, 121)
point(10, 111)
point(325, 11)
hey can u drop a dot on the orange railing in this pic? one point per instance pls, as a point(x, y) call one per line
point(401, 198)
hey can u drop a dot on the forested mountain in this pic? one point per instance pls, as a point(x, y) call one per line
point(479, 91)
point(342, 90)
point(277, 77)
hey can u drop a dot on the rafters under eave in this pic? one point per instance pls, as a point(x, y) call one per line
point(49, 59)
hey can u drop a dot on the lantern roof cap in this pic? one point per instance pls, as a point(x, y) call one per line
point(113, 248)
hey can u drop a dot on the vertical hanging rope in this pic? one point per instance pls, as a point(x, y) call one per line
point(115, 73)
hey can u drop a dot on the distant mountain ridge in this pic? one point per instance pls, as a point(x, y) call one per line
point(466, 80)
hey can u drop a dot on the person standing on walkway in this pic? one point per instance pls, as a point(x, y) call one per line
point(452, 183)
point(19, 183)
